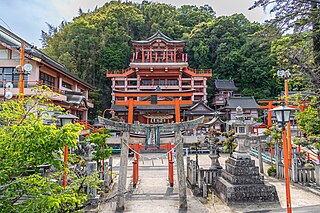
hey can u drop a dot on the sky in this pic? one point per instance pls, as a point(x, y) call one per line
point(27, 18)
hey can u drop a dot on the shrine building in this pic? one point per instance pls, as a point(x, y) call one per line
point(158, 75)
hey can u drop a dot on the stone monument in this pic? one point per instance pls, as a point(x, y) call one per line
point(240, 182)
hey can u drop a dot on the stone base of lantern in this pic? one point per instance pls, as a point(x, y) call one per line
point(240, 183)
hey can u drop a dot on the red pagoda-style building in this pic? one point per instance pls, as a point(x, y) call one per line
point(159, 66)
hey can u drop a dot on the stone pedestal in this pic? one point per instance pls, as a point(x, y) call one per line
point(240, 182)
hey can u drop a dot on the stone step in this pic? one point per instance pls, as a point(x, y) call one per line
point(240, 163)
point(236, 170)
point(243, 179)
point(253, 193)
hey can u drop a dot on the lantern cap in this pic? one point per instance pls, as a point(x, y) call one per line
point(283, 108)
point(67, 116)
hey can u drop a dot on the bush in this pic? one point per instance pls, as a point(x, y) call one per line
point(309, 165)
point(272, 169)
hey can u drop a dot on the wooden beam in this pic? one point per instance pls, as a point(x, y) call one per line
point(164, 94)
point(137, 103)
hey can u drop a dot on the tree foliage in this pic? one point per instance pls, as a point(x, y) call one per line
point(299, 17)
point(101, 39)
point(26, 145)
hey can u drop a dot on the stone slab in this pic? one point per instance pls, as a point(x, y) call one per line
point(245, 179)
point(247, 193)
point(240, 163)
point(237, 170)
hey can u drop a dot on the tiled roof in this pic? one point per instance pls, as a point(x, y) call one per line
point(244, 102)
point(118, 108)
point(156, 36)
point(224, 84)
point(13, 40)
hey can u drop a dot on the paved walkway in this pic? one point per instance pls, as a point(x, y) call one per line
point(153, 193)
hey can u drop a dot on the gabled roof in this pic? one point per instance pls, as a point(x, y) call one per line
point(158, 36)
point(224, 84)
point(200, 108)
point(13, 40)
point(243, 102)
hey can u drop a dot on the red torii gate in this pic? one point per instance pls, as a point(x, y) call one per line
point(131, 102)
point(302, 106)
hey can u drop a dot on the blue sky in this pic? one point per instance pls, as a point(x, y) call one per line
point(27, 18)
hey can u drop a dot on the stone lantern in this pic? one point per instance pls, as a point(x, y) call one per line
point(241, 182)
point(242, 130)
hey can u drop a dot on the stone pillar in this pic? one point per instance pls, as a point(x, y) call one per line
point(277, 158)
point(317, 171)
point(180, 170)
point(91, 169)
point(260, 156)
point(122, 182)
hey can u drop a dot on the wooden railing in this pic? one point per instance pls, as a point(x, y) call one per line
point(200, 71)
point(85, 124)
point(53, 88)
point(117, 72)
point(303, 174)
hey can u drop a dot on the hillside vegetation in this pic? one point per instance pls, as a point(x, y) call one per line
point(232, 46)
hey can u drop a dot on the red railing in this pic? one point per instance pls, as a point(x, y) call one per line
point(118, 72)
point(53, 88)
point(200, 71)
point(85, 124)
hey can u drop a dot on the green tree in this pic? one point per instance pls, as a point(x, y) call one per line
point(26, 143)
point(299, 16)
point(309, 123)
point(229, 46)
point(98, 140)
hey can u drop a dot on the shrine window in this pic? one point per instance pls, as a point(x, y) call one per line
point(241, 129)
point(4, 54)
point(47, 79)
point(119, 83)
point(146, 82)
point(66, 85)
point(173, 82)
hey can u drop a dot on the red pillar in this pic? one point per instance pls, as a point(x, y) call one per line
point(135, 175)
point(286, 170)
point(65, 160)
point(177, 109)
point(170, 164)
point(269, 114)
point(130, 111)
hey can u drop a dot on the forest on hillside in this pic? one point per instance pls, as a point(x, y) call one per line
point(235, 48)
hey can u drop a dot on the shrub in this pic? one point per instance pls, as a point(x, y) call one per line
point(272, 169)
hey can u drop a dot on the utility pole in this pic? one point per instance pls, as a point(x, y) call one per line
point(286, 88)
point(21, 70)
